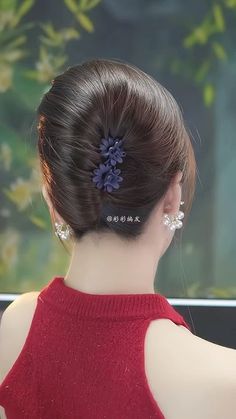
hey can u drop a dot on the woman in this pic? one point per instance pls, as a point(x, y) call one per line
point(118, 177)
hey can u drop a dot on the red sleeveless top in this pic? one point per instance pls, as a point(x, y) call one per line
point(83, 357)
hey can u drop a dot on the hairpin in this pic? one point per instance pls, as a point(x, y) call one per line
point(107, 176)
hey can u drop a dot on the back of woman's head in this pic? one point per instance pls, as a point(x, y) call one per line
point(101, 98)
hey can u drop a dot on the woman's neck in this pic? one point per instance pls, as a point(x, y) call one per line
point(109, 265)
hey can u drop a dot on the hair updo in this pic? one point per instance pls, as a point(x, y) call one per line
point(89, 102)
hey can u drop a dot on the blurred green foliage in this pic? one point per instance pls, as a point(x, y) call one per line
point(24, 244)
point(206, 45)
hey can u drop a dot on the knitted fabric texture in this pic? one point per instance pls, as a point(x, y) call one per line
point(83, 357)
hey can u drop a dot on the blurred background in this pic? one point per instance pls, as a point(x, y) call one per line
point(188, 46)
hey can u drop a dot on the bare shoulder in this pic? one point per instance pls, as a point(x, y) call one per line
point(197, 376)
point(14, 327)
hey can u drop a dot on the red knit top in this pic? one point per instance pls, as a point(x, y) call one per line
point(83, 357)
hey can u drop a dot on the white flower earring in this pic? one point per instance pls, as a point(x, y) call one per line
point(174, 221)
point(62, 230)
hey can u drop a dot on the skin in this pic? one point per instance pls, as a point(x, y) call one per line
point(139, 260)
point(197, 376)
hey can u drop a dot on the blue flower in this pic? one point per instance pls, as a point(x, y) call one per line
point(105, 144)
point(112, 180)
point(111, 148)
point(107, 176)
point(99, 175)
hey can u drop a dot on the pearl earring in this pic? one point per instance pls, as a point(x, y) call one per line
point(174, 221)
point(62, 230)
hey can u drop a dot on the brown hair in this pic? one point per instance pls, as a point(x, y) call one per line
point(104, 97)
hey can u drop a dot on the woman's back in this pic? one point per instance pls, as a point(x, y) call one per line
point(98, 369)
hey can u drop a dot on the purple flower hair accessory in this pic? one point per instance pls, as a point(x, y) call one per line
point(107, 176)
point(112, 149)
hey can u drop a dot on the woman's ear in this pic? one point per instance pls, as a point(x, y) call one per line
point(46, 197)
point(178, 177)
point(53, 213)
point(173, 195)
